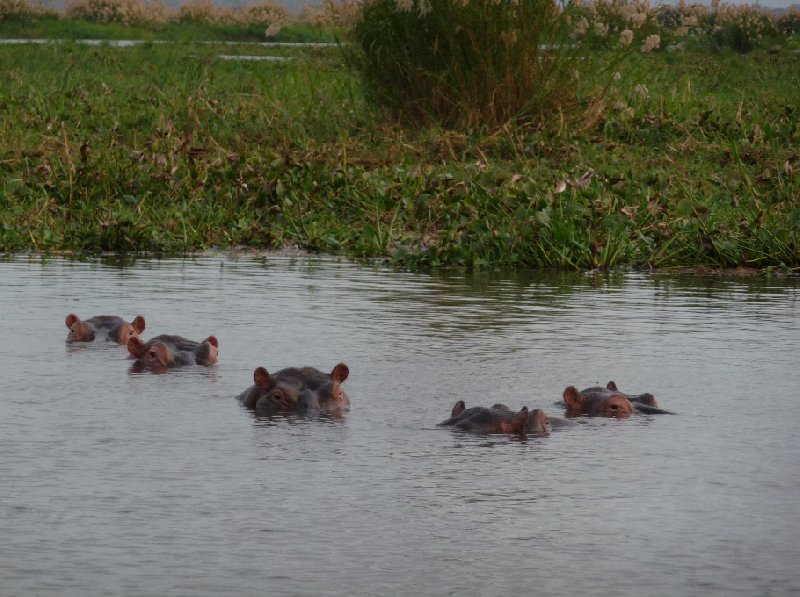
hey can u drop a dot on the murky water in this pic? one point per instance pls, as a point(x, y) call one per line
point(115, 483)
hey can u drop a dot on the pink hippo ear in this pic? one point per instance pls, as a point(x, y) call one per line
point(340, 373)
point(71, 318)
point(157, 355)
point(573, 398)
point(210, 352)
point(136, 347)
point(612, 386)
point(138, 324)
point(262, 378)
point(459, 408)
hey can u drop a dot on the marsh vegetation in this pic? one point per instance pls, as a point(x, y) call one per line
point(624, 149)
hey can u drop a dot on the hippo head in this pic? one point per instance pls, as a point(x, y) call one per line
point(602, 403)
point(538, 422)
point(79, 331)
point(110, 327)
point(126, 331)
point(302, 390)
point(153, 355)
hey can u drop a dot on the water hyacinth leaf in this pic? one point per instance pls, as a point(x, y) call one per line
point(684, 207)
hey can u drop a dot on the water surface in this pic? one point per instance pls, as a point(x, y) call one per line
point(116, 483)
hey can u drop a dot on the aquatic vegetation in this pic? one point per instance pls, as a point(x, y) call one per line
point(690, 159)
point(596, 23)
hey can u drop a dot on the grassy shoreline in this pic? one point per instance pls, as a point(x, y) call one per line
point(170, 149)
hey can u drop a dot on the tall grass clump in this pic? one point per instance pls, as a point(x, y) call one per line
point(263, 13)
point(471, 64)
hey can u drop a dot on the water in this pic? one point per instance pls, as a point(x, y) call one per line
point(115, 483)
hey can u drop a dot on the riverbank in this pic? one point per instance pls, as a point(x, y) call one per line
point(169, 148)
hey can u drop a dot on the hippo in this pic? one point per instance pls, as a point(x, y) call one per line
point(107, 327)
point(608, 402)
point(162, 352)
point(297, 390)
point(497, 419)
point(644, 403)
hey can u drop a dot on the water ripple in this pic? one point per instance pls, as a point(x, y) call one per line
point(124, 483)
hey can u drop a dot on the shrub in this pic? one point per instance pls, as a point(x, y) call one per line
point(205, 11)
point(740, 28)
point(788, 22)
point(470, 63)
point(125, 12)
point(21, 10)
point(265, 13)
point(339, 14)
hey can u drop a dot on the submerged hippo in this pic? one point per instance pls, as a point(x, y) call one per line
point(497, 419)
point(300, 390)
point(608, 402)
point(105, 327)
point(162, 352)
point(645, 403)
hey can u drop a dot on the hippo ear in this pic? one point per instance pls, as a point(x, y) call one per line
point(519, 424)
point(612, 386)
point(539, 420)
point(340, 373)
point(459, 408)
point(212, 340)
point(160, 351)
point(138, 324)
point(262, 378)
point(573, 398)
point(71, 318)
point(136, 347)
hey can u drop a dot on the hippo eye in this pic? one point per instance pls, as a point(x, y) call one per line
point(153, 354)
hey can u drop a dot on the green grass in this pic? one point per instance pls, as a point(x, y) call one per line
point(167, 148)
point(53, 28)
